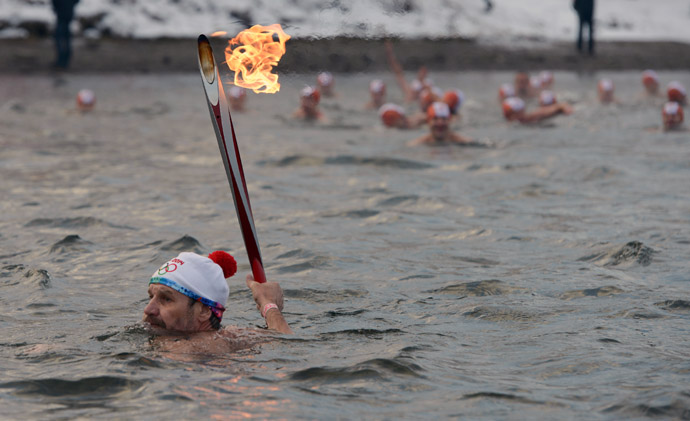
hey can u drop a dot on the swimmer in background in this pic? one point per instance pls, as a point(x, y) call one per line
point(505, 91)
point(412, 90)
point(326, 84)
point(427, 97)
point(523, 85)
point(188, 297)
point(237, 97)
point(676, 92)
point(377, 92)
point(547, 79)
point(438, 116)
point(393, 116)
point(672, 116)
point(514, 110)
point(650, 81)
point(309, 105)
point(605, 91)
point(454, 98)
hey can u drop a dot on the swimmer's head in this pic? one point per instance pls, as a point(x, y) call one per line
point(309, 97)
point(547, 98)
point(513, 108)
point(438, 117)
point(506, 91)
point(428, 96)
point(237, 97)
point(650, 80)
point(189, 293)
point(546, 78)
point(676, 92)
point(672, 115)
point(392, 115)
point(326, 82)
point(535, 83)
point(605, 89)
point(454, 98)
point(377, 87)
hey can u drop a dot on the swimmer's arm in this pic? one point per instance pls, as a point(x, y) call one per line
point(397, 70)
point(420, 140)
point(542, 113)
point(460, 139)
point(269, 293)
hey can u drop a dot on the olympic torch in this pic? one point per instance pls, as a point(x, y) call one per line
point(251, 55)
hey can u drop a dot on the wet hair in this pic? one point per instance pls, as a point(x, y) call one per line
point(213, 319)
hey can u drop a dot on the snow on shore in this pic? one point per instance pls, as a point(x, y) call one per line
point(509, 21)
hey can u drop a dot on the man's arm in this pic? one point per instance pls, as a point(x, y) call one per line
point(545, 112)
point(269, 299)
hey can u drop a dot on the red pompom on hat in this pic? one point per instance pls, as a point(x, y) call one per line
point(225, 261)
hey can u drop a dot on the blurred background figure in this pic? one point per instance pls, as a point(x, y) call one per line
point(585, 12)
point(676, 92)
point(377, 91)
point(672, 116)
point(605, 90)
point(438, 118)
point(64, 12)
point(326, 83)
point(86, 100)
point(454, 98)
point(489, 6)
point(505, 91)
point(393, 115)
point(523, 88)
point(547, 79)
point(238, 98)
point(546, 98)
point(650, 81)
point(309, 105)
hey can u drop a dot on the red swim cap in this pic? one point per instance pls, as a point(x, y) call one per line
point(310, 92)
point(391, 114)
point(438, 110)
point(454, 98)
point(512, 105)
point(676, 92)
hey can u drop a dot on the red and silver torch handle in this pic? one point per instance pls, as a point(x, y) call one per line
point(229, 151)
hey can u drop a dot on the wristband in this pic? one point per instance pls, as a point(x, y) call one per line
point(268, 307)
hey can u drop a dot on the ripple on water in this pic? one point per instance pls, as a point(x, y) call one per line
point(21, 275)
point(85, 392)
point(503, 314)
point(71, 243)
point(377, 369)
point(382, 162)
point(479, 288)
point(633, 252)
point(77, 222)
point(320, 296)
point(675, 306)
point(604, 291)
point(184, 243)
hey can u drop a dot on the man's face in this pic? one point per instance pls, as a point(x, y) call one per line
point(439, 127)
point(170, 310)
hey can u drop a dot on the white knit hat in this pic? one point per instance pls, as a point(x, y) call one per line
point(199, 278)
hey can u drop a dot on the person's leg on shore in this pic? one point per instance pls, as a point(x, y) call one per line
point(579, 34)
point(590, 23)
point(62, 47)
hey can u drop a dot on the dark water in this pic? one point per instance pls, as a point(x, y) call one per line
point(546, 278)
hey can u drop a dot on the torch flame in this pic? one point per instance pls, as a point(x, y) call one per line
point(219, 34)
point(253, 53)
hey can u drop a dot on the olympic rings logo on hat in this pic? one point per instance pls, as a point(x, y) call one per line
point(167, 268)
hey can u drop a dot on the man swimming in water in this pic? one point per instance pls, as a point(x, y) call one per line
point(188, 295)
point(438, 117)
point(309, 105)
